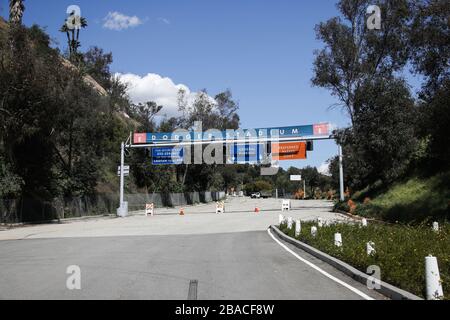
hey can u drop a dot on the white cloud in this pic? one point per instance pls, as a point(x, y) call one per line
point(324, 169)
point(164, 20)
point(118, 21)
point(153, 87)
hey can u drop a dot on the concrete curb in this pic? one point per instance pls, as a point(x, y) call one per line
point(386, 289)
point(359, 218)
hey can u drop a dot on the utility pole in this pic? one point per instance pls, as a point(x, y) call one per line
point(341, 174)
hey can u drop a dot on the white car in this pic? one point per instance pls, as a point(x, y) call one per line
point(255, 195)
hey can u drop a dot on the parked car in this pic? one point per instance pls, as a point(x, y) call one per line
point(255, 195)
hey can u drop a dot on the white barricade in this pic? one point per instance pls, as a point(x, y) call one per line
point(149, 209)
point(286, 205)
point(220, 207)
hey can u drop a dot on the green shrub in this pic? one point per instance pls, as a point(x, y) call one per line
point(400, 250)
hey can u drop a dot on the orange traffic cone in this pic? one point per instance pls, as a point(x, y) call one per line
point(181, 212)
point(256, 210)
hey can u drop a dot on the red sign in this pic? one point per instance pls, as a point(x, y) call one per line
point(140, 138)
point(289, 151)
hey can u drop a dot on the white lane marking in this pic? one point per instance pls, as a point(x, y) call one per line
point(358, 292)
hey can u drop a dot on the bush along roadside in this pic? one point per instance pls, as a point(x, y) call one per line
point(415, 200)
point(400, 251)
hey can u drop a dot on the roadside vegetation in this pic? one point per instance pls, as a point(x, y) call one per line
point(397, 147)
point(414, 200)
point(400, 250)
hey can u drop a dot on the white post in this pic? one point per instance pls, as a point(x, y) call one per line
point(290, 221)
point(338, 240)
point(436, 226)
point(364, 222)
point(298, 228)
point(370, 247)
point(320, 222)
point(341, 174)
point(313, 231)
point(433, 279)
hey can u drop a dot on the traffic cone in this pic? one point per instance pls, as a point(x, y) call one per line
point(182, 212)
point(257, 210)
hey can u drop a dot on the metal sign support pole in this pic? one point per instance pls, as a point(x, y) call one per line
point(122, 176)
point(121, 210)
point(304, 189)
point(341, 174)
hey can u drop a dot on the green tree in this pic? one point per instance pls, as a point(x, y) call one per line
point(16, 9)
point(145, 113)
point(311, 177)
point(380, 144)
point(71, 27)
point(96, 64)
point(359, 66)
point(354, 55)
point(219, 113)
point(430, 38)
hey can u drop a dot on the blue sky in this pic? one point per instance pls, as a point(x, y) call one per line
point(261, 50)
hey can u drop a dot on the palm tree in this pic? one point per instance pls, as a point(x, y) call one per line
point(16, 9)
point(72, 27)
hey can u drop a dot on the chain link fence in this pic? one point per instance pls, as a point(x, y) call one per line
point(35, 210)
point(137, 201)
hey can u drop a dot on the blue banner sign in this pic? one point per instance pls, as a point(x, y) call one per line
point(246, 154)
point(166, 156)
point(315, 130)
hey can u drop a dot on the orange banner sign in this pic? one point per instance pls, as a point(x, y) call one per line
point(289, 151)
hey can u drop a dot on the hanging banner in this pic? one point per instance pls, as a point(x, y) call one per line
point(289, 151)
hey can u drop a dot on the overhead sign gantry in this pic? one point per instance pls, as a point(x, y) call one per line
point(254, 146)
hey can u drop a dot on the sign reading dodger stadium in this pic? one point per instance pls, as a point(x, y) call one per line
point(316, 130)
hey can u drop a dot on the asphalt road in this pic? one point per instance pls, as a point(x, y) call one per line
point(236, 264)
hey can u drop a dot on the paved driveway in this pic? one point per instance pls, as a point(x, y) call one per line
point(232, 256)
